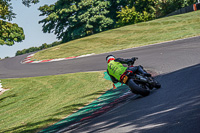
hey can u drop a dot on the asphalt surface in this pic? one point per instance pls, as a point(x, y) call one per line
point(175, 108)
point(163, 58)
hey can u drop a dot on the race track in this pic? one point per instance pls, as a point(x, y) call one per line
point(175, 108)
point(163, 58)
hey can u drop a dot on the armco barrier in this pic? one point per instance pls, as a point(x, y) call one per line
point(187, 9)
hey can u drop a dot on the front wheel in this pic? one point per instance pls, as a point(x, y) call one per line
point(156, 84)
point(153, 83)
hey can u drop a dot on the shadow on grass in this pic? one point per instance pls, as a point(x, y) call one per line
point(97, 103)
point(69, 108)
point(5, 97)
point(94, 94)
point(29, 127)
point(89, 111)
point(9, 96)
point(84, 112)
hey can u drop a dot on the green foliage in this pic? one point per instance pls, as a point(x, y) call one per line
point(74, 19)
point(6, 10)
point(28, 2)
point(6, 57)
point(165, 7)
point(114, 7)
point(33, 49)
point(10, 33)
point(159, 7)
point(131, 16)
point(144, 5)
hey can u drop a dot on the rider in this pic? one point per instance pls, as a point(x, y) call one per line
point(117, 71)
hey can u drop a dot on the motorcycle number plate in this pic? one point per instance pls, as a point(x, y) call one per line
point(125, 79)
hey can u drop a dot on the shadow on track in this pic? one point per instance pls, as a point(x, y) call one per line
point(173, 108)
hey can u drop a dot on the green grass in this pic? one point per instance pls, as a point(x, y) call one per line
point(35, 103)
point(160, 30)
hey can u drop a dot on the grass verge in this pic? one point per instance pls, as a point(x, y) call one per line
point(34, 103)
point(159, 30)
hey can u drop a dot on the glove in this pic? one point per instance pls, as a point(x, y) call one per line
point(134, 59)
point(129, 60)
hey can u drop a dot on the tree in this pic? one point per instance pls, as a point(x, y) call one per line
point(115, 6)
point(6, 57)
point(44, 46)
point(11, 32)
point(159, 7)
point(32, 49)
point(131, 16)
point(74, 19)
point(143, 5)
point(168, 6)
point(29, 2)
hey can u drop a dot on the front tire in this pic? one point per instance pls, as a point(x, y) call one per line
point(154, 84)
point(157, 85)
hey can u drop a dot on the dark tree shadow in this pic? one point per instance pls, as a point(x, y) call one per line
point(175, 108)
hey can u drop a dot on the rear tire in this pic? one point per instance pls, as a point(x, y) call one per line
point(138, 88)
point(143, 91)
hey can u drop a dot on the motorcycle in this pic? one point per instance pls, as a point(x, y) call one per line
point(145, 83)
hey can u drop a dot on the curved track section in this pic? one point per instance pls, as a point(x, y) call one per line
point(175, 108)
point(163, 58)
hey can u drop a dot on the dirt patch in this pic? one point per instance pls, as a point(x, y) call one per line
point(55, 49)
point(2, 91)
point(153, 73)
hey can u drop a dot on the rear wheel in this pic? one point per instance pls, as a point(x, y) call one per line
point(144, 90)
point(138, 88)
point(141, 89)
